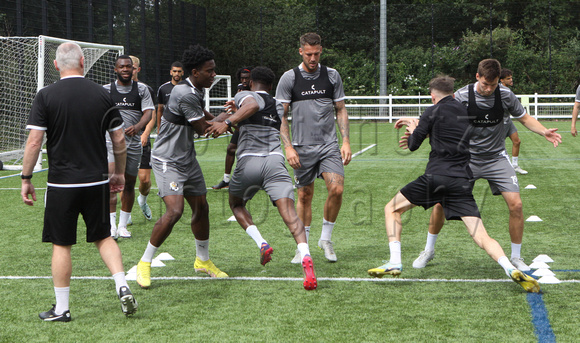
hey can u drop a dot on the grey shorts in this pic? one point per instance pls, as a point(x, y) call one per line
point(315, 160)
point(133, 158)
point(269, 173)
point(510, 128)
point(175, 180)
point(498, 171)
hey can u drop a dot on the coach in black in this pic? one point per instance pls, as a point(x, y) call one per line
point(75, 113)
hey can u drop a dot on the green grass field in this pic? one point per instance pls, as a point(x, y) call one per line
point(462, 295)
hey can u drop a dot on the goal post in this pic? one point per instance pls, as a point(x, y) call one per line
point(219, 92)
point(26, 66)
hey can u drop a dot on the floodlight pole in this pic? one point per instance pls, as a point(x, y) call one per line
point(383, 49)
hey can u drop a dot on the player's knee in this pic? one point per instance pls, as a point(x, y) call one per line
point(335, 190)
point(231, 150)
point(173, 214)
point(516, 207)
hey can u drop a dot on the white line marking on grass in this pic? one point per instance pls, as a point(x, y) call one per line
point(363, 150)
point(251, 278)
point(13, 175)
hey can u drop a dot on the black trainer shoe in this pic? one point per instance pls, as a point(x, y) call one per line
point(51, 316)
point(221, 185)
point(128, 302)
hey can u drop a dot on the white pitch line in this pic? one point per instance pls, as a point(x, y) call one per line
point(249, 278)
point(363, 150)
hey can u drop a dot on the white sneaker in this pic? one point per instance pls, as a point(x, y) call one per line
point(518, 262)
point(328, 250)
point(123, 232)
point(114, 232)
point(424, 257)
point(146, 211)
point(520, 170)
point(130, 220)
point(297, 258)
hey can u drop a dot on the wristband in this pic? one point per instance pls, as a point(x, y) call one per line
point(26, 177)
point(228, 123)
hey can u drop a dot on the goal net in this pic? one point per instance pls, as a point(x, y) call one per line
point(219, 92)
point(26, 66)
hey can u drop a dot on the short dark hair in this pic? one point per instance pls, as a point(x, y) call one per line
point(489, 69)
point(263, 75)
point(310, 38)
point(442, 83)
point(195, 56)
point(247, 70)
point(123, 57)
point(505, 73)
point(177, 64)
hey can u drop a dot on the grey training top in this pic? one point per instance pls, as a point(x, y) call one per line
point(132, 117)
point(312, 120)
point(174, 142)
point(578, 94)
point(490, 141)
point(258, 140)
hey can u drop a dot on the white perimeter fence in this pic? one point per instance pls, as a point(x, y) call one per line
point(393, 107)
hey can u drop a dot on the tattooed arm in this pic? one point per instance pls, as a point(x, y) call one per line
point(342, 119)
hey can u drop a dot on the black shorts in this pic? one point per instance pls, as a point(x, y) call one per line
point(146, 156)
point(235, 137)
point(62, 209)
point(453, 193)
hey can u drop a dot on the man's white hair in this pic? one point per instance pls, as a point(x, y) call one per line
point(68, 56)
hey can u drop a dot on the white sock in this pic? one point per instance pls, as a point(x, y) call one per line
point(142, 199)
point(307, 232)
point(514, 161)
point(123, 218)
point(253, 232)
point(62, 296)
point(149, 253)
point(227, 177)
point(327, 227)
point(113, 218)
point(303, 248)
point(120, 281)
point(431, 239)
point(516, 250)
point(506, 264)
point(202, 249)
point(395, 249)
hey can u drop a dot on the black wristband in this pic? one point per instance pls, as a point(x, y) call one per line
point(26, 177)
point(228, 123)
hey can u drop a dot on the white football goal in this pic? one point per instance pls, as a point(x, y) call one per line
point(26, 65)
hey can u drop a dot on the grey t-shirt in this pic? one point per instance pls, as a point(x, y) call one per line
point(174, 142)
point(490, 141)
point(578, 94)
point(132, 117)
point(312, 120)
point(258, 140)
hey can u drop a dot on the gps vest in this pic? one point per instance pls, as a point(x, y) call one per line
point(266, 117)
point(312, 89)
point(172, 118)
point(127, 101)
point(485, 118)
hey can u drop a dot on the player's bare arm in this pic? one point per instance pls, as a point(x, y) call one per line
point(160, 109)
point(291, 154)
point(575, 111)
point(148, 128)
point(249, 107)
point(117, 180)
point(135, 129)
point(343, 127)
point(31, 151)
point(535, 126)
